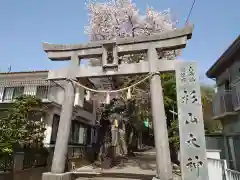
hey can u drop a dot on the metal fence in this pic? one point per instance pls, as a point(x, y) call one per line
point(6, 163)
point(232, 175)
point(32, 160)
point(218, 170)
point(77, 151)
point(236, 95)
point(27, 160)
point(222, 103)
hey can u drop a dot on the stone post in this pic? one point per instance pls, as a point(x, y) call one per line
point(164, 168)
point(61, 147)
point(194, 164)
point(18, 161)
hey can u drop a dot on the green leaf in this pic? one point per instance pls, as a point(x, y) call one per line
point(21, 122)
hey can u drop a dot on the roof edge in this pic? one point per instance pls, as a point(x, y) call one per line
point(211, 73)
point(22, 72)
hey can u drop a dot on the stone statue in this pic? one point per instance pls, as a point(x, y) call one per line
point(118, 127)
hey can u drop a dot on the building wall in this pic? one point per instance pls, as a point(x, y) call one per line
point(216, 142)
point(222, 78)
point(51, 119)
point(231, 73)
point(231, 124)
point(228, 94)
point(55, 93)
point(30, 83)
point(234, 71)
point(78, 134)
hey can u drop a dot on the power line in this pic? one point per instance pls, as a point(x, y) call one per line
point(190, 12)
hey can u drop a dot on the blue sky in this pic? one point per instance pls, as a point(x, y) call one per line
point(26, 24)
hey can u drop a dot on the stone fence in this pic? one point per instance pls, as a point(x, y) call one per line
point(23, 166)
point(26, 174)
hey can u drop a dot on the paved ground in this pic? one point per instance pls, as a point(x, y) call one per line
point(142, 166)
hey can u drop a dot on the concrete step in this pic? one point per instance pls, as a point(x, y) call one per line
point(120, 178)
point(105, 178)
point(140, 167)
point(118, 175)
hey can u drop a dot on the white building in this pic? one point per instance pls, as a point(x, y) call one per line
point(226, 104)
point(14, 84)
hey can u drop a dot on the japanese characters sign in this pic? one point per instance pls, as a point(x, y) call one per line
point(191, 128)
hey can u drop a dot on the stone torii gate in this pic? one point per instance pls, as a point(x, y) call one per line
point(109, 51)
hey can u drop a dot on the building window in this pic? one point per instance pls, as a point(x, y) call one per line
point(8, 93)
point(227, 85)
point(78, 133)
point(1, 93)
point(82, 135)
point(18, 91)
point(55, 124)
point(11, 93)
point(89, 135)
point(42, 92)
point(75, 131)
point(88, 106)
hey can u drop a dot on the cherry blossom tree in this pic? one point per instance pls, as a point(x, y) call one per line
point(113, 19)
point(121, 18)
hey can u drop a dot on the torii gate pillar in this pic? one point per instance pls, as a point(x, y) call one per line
point(164, 166)
point(173, 40)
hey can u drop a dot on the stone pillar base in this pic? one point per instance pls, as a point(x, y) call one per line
point(51, 176)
